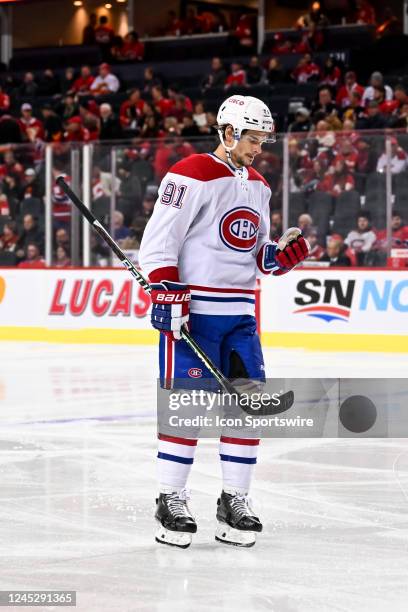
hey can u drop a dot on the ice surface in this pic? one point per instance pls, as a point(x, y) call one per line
point(77, 482)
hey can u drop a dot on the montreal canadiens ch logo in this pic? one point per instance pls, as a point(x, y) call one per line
point(239, 228)
point(195, 372)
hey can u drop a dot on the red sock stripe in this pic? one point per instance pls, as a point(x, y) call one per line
point(242, 441)
point(185, 441)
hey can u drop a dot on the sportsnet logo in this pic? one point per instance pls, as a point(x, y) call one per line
point(328, 300)
point(239, 228)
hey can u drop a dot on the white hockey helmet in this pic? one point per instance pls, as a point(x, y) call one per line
point(245, 113)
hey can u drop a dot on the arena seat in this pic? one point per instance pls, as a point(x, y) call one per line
point(54, 57)
point(7, 259)
point(297, 206)
point(319, 207)
point(347, 207)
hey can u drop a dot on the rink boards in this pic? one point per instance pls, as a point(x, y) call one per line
point(330, 309)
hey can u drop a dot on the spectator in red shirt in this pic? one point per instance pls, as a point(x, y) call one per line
point(399, 233)
point(75, 131)
point(162, 105)
point(82, 85)
point(282, 45)
point(237, 78)
point(346, 153)
point(104, 32)
point(192, 24)
point(180, 110)
point(400, 94)
point(338, 180)
point(174, 25)
point(344, 95)
point(131, 50)
point(331, 74)
point(365, 13)
point(4, 100)
point(10, 166)
point(244, 32)
point(306, 70)
point(31, 127)
point(33, 258)
point(316, 250)
point(311, 40)
point(173, 93)
point(387, 107)
point(131, 110)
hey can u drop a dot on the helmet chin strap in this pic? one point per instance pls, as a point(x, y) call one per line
point(226, 147)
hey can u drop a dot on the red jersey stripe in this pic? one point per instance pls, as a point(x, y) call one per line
point(221, 290)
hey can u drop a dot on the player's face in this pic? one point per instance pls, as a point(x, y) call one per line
point(248, 147)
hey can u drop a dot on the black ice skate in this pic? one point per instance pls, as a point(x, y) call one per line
point(237, 524)
point(176, 522)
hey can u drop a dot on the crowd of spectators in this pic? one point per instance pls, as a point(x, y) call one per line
point(329, 152)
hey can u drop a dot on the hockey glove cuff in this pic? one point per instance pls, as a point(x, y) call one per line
point(170, 307)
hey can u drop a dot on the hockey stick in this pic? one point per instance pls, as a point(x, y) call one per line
point(285, 400)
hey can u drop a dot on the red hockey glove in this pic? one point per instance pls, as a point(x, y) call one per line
point(291, 255)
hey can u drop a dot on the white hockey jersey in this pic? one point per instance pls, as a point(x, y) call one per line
point(207, 230)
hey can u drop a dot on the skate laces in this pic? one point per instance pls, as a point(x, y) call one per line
point(177, 503)
point(241, 505)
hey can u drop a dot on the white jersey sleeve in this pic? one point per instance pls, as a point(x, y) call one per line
point(178, 204)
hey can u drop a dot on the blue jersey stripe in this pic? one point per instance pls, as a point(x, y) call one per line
point(206, 298)
point(249, 460)
point(175, 458)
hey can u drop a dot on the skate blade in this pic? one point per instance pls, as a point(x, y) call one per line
point(234, 537)
point(181, 539)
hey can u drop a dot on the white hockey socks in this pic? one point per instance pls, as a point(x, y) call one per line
point(238, 458)
point(174, 460)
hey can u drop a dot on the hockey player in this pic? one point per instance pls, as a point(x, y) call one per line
point(206, 241)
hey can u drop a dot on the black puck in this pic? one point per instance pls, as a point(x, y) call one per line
point(358, 413)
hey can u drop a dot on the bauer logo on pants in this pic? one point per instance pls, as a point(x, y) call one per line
point(239, 228)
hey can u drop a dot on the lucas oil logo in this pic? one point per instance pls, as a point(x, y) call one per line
point(239, 228)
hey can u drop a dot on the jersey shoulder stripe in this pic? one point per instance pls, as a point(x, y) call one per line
point(253, 175)
point(201, 167)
